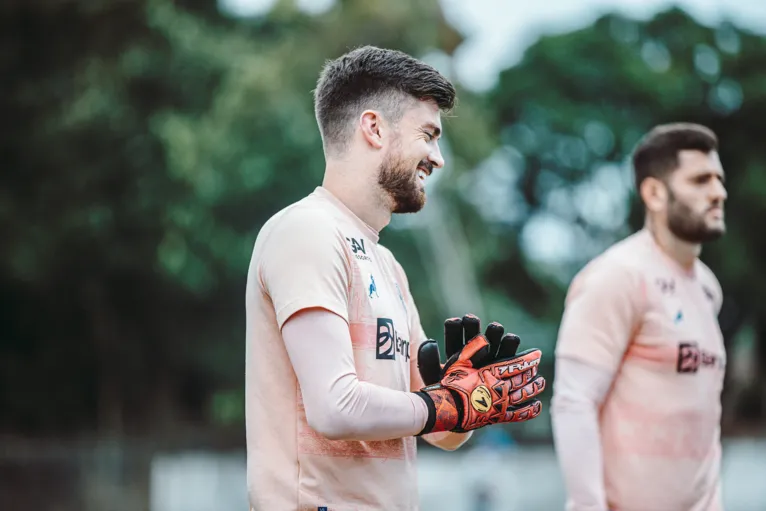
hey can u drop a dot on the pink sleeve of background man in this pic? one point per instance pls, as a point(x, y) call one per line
point(600, 317)
point(579, 390)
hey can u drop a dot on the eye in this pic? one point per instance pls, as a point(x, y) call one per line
point(430, 136)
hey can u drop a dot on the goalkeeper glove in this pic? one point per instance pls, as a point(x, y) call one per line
point(484, 380)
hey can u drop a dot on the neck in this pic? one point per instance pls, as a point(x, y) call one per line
point(359, 192)
point(683, 252)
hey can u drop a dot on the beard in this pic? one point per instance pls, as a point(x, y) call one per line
point(399, 180)
point(686, 225)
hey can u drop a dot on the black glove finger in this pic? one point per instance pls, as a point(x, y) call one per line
point(494, 335)
point(453, 336)
point(508, 346)
point(471, 327)
point(429, 362)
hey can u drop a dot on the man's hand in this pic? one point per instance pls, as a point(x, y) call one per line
point(484, 380)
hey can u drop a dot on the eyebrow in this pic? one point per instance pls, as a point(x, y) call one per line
point(706, 173)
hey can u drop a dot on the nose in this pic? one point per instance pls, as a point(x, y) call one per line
point(436, 158)
point(719, 191)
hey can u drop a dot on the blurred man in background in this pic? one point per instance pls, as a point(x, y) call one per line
point(640, 357)
point(334, 398)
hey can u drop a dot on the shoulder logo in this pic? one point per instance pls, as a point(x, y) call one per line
point(357, 248)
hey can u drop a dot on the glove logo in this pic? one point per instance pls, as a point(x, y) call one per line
point(481, 399)
point(517, 367)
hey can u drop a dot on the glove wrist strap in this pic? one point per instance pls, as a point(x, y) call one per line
point(431, 413)
point(445, 411)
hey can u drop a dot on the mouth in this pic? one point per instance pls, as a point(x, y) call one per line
point(423, 173)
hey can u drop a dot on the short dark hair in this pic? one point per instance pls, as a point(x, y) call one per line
point(373, 77)
point(656, 154)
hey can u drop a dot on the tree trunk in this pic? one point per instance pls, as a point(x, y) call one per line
point(105, 335)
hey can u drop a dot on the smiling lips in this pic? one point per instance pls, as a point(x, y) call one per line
point(424, 170)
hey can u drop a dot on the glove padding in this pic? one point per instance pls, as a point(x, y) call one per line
point(484, 380)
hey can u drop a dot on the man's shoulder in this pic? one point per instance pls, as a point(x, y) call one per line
point(623, 258)
point(711, 286)
point(388, 256)
point(307, 215)
point(706, 273)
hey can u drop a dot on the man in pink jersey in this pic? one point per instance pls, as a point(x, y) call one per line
point(640, 357)
point(337, 362)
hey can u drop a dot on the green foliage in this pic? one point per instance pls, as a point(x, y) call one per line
point(150, 143)
point(147, 141)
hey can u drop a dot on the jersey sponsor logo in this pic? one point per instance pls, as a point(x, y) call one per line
point(517, 367)
point(389, 343)
point(357, 248)
point(691, 358)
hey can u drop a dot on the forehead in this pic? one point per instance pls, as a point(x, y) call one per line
point(422, 112)
point(692, 162)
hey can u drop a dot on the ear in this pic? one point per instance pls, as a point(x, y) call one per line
point(654, 193)
point(370, 123)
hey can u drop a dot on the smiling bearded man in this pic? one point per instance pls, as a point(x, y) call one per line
point(335, 396)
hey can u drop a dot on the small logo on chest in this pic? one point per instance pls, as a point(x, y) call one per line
point(666, 286)
point(372, 288)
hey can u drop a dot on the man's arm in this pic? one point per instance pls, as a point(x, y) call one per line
point(579, 391)
point(602, 312)
point(338, 405)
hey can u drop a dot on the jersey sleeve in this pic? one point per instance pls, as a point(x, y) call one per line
point(304, 265)
point(602, 312)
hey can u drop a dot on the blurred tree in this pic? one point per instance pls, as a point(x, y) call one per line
point(147, 142)
point(567, 117)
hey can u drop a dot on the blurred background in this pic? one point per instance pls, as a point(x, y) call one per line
point(147, 141)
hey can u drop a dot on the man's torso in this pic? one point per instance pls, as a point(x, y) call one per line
point(660, 421)
point(291, 465)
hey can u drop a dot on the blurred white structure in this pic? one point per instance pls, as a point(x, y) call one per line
point(514, 478)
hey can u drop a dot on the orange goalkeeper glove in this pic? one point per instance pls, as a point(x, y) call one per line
point(484, 380)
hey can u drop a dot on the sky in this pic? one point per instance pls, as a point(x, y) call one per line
point(499, 31)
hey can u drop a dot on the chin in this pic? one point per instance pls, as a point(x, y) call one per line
point(713, 234)
point(412, 205)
